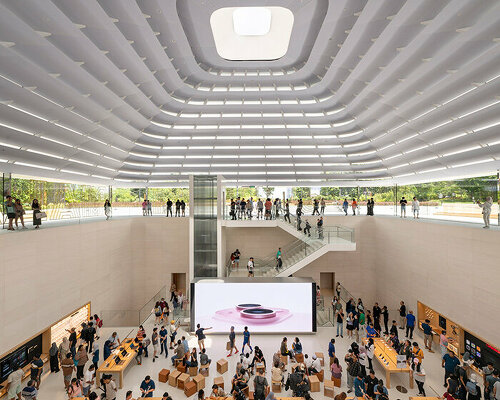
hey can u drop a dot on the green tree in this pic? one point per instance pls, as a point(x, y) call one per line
point(244, 192)
point(303, 193)
point(268, 190)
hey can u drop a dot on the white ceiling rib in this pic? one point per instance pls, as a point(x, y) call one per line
point(116, 90)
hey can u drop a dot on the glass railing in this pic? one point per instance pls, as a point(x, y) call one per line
point(133, 317)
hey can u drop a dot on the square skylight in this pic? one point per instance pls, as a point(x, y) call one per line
point(252, 33)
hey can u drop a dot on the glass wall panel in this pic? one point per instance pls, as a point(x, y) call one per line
point(204, 209)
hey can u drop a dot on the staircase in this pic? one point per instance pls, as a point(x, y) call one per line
point(301, 252)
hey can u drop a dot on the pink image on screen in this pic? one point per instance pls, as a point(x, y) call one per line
point(252, 314)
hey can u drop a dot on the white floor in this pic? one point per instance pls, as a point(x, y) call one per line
point(52, 387)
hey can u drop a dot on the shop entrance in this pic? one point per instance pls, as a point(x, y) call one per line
point(327, 283)
point(180, 282)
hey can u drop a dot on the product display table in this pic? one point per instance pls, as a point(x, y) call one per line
point(110, 366)
point(387, 357)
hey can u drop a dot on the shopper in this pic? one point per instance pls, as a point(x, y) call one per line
point(37, 215)
point(410, 324)
point(88, 380)
point(75, 388)
point(486, 206)
point(81, 359)
point(201, 336)
point(54, 358)
point(315, 207)
point(402, 315)
point(95, 355)
point(403, 202)
point(14, 382)
point(246, 340)
point(178, 208)
point(19, 213)
point(29, 392)
point(10, 209)
point(323, 206)
point(340, 323)
point(250, 267)
point(260, 385)
point(427, 335)
point(169, 207)
point(36, 370)
point(345, 206)
point(449, 362)
point(68, 367)
point(354, 206)
point(385, 316)
point(287, 212)
point(232, 342)
point(370, 204)
point(183, 208)
point(415, 207)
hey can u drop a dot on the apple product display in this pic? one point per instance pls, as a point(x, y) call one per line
point(283, 306)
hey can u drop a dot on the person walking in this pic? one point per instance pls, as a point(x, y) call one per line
point(427, 335)
point(232, 343)
point(287, 212)
point(107, 209)
point(486, 206)
point(315, 207)
point(201, 336)
point(81, 359)
point(260, 209)
point(345, 206)
point(415, 208)
point(250, 267)
point(403, 202)
point(246, 340)
point(319, 226)
point(149, 208)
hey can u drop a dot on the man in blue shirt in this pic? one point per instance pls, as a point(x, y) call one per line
point(359, 386)
point(147, 387)
point(370, 331)
point(427, 335)
point(246, 340)
point(410, 324)
point(163, 341)
point(449, 362)
point(331, 349)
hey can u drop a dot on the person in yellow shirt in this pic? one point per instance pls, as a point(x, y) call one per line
point(417, 352)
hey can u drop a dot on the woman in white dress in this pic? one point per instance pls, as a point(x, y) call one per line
point(486, 206)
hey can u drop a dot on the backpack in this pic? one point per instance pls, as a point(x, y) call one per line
point(99, 323)
point(471, 388)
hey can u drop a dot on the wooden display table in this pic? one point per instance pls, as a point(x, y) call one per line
point(110, 366)
point(387, 358)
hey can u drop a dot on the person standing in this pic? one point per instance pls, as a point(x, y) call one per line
point(95, 355)
point(35, 206)
point(164, 341)
point(377, 311)
point(443, 343)
point(169, 207)
point(369, 206)
point(319, 226)
point(323, 205)
point(150, 208)
point(340, 323)
point(250, 208)
point(419, 376)
point(261, 385)
point(183, 208)
point(29, 392)
point(250, 267)
point(88, 380)
point(410, 324)
point(486, 206)
point(315, 207)
point(54, 358)
point(147, 387)
point(415, 207)
point(427, 335)
point(81, 358)
point(449, 363)
point(403, 202)
point(11, 212)
point(353, 369)
point(279, 260)
point(68, 367)
point(36, 370)
point(144, 207)
point(402, 315)
point(178, 208)
point(155, 341)
point(201, 336)
point(354, 206)
point(232, 342)
point(260, 209)
point(14, 382)
point(19, 213)
point(246, 340)
point(385, 315)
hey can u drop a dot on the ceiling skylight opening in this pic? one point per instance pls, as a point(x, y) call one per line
point(252, 33)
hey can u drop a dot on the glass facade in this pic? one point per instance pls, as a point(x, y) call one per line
point(204, 210)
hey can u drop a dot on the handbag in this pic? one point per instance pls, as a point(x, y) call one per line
point(40, 215)
point(228, 346)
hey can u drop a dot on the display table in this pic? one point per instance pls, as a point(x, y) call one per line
point(110, 366)
point(387, 358)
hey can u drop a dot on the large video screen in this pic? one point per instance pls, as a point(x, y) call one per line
point(277, 305)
